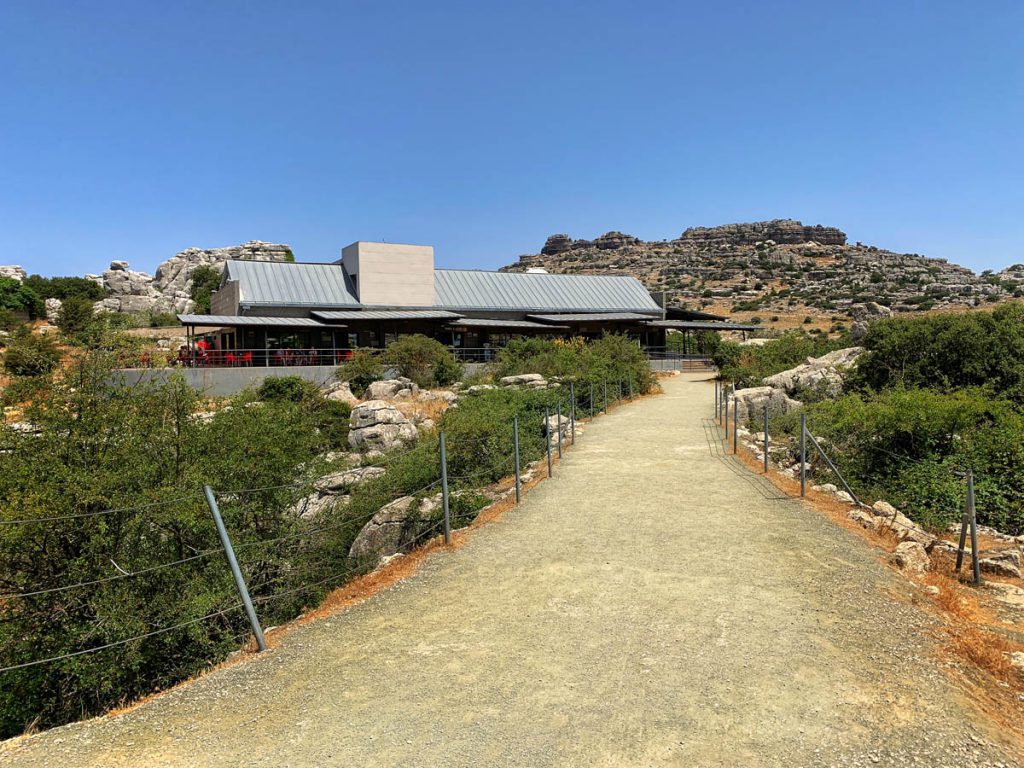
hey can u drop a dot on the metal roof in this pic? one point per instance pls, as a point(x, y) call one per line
point(525, 292)
point(236, 321)
point(586, 317)
point(689, 325)
point(483, 322)
point(388, 314)
point(287, 284)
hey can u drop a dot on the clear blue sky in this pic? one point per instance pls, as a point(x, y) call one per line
point(132, 130)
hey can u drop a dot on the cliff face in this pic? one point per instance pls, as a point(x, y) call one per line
point(780, 265)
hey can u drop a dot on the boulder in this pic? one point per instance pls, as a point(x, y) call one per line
point(341, 392)
point(316, 504)
point(387, 532)
point(378, 426)
point(910, 556)
point(1004, 563)
point(864, 518)
point(819, 374)
point(533, 380)
point(391, 388)
point(863, 315)
point(336, 482)
point(750, 402)
point(53, 309)
point(13, 272)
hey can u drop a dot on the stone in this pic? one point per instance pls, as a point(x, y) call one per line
point(911, 557)
point(392, 528)
point(391, 388)
point(748, 404)
point(1003, 563)
point(340, 391)
point(336, 482)
point(865, 519)
point(315, 505)
point(823, 375)
point(521, 380)
point(885, 509)
point(53, 309)
point(844, 497)
point(13, 272)
point(862, 315)
point(378, 426)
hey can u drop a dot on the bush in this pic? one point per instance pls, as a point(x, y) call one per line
point(420, 358)
point(293, 389)
point(65, 287)
point(30, 354)
point(330, 417)
point(609, 358)
point(18, 297)
point(75, 316)
point(205, 280)
point(361, 370)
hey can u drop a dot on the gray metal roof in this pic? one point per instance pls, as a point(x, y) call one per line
point(526, 292)
point(236, 321)
point(286, 284)
point(689, 325)
point(483, 322)
point(586, 317)
point(388, 314)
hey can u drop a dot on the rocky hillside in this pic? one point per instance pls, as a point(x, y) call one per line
point(776, 266)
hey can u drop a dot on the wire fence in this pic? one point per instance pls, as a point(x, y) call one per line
point(809, 452)
point(278, 562)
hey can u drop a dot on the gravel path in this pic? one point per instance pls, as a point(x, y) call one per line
point(653, 604)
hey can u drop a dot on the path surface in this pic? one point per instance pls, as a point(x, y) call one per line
point(654, 604)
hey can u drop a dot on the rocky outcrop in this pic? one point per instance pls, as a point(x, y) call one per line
point(748, 263)
point(1003, 563)
point(785, 231)
point(524, 380)
point(822, 375)
point(340, 390)
point(173, 278)
point(863, 315)
point(753, 400)
point(378, 426)
point(170, 288)
point(53, 309)
point(13, 272)
point(347, 479)
point(400, 389)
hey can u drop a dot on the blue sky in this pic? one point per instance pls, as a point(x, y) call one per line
point(134, 130)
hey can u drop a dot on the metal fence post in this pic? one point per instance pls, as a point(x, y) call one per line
point(236, 572)
point(591, 401)
point(716, 399)
point(630, 387)
point(547, 434)
point(444, 492)
point(974, 528)
point(725, 412)
point(558, 432)
point(605, 401)
point(766, 438)
point(515, 446)
point(735, 424)
point(572, 412)
point(803, 455)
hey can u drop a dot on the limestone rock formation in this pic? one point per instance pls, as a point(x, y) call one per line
point(863, 315)
point(773, 266)
point(911, 557)
point(387, 532)
point(378, 426)
point(753, 400)
point(340, 390)
point(819, 374)
point(13, 272)
point(392, 388)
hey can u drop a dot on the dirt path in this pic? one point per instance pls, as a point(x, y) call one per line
point(654, 604)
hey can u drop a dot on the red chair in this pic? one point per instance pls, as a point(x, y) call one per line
point(247, 358)
point(232, 359)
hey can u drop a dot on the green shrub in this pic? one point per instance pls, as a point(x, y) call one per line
point(18, 297)
point(448, 370)
point(748, 365)
point(205, 280)
point(330, 417)
point(420, 358)
point(610, 358)
point(75, 316)
point(294, 389)
point(65, 287)
point(30, 354)
point(361, 370)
